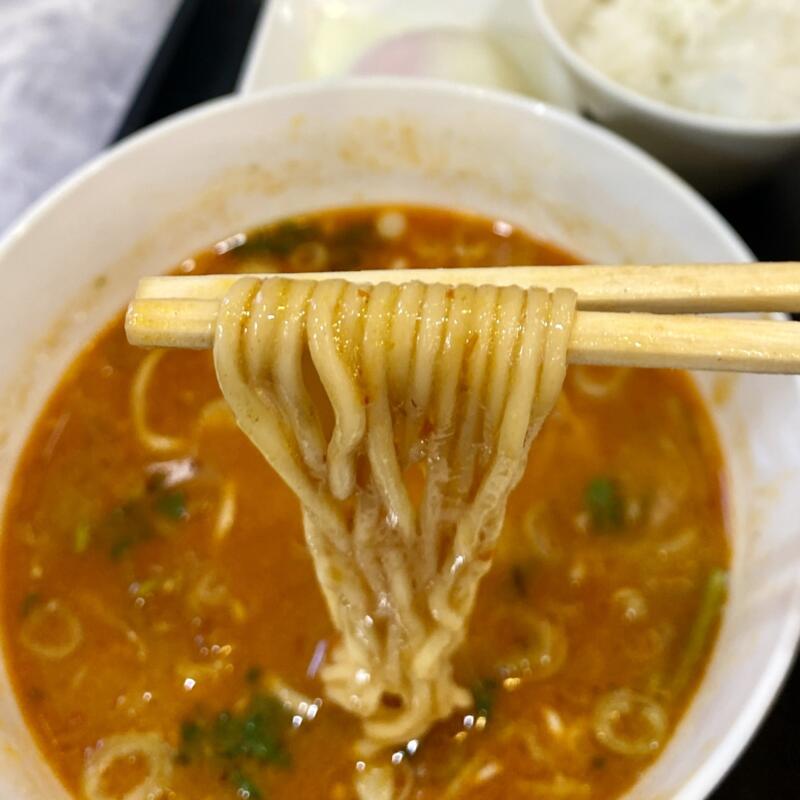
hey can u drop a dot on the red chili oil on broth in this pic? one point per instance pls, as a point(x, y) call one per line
point(161, 614)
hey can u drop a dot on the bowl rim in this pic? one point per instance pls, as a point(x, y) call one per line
point(662, 111)
point(379, 84)
point(765, 691)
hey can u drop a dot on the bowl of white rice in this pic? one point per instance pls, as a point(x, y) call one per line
point(711, 87)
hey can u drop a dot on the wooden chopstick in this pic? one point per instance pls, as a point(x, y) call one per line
point(603, 338)
point(665, 288)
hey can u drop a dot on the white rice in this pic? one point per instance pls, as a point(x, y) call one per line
point(731, 58)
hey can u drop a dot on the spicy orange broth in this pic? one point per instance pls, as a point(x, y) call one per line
point(178, 626)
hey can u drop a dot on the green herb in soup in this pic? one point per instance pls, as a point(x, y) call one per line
point(151, 558)
point(605, 504)
point(236, 742)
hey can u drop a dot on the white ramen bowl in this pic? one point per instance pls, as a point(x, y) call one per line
point(715, 153)
point(75, 259)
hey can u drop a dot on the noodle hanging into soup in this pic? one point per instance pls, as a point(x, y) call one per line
point(453, 382)
point(164, 627)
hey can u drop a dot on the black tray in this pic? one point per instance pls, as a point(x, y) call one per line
point(201, 57)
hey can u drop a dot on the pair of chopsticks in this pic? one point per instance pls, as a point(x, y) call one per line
point(610, 327)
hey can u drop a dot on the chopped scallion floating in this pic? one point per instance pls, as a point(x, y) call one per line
point(253, 675)
point(171, 505)
point(147, 587)
point(83, 536)
point(254, 736)
point(715, 592)
point(126, 526)
point(245, 788)
point(605, 504)
point(29, 602)
point(484, 693)
point(279, 240)
point(132, 522)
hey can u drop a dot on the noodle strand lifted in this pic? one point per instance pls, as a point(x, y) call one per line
point(401, 416)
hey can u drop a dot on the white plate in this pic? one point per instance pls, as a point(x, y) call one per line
point(300, 40)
